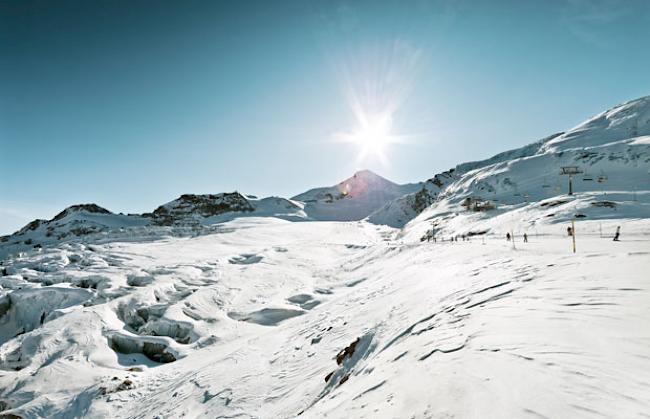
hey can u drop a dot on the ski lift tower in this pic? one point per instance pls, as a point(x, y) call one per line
point(570, 171)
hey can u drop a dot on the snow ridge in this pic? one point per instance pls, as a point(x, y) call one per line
point(609, 149)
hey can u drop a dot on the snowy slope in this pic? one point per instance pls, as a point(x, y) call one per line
point(628, 120)
point(353, 199)
point(611, 150)
point(399, 211)
point(278, 207)
point(530, 192)
point(272, 319)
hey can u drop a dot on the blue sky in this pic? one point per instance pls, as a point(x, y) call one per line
point(129, 104)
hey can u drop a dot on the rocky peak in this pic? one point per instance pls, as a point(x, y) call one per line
point(91, 208)
point(188, 206)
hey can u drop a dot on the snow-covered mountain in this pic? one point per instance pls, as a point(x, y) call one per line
point(350, 200)
point(398, 212)
point(73, 222)
point(611, 151)
point(353, 199)
point(194, 209)
point(622, 122)
point(187, 214)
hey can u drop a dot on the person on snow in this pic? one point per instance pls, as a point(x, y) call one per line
point(525, 238)
point(508, 237)
point(569, 231)
point(618, 234)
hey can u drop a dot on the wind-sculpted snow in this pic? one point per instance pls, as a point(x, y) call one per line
point(266, 316)
point(24, 310)
point(335, 319)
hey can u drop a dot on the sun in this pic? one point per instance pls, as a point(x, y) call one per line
point(373, 134)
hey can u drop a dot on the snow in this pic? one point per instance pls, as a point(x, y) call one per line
point(533, 330)
point(189, 214)
point(615, 184)
point(628, 120)
point(398, 212)
point(611, 151)
point(643, 140)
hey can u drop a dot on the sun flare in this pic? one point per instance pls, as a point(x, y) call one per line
point(373, 134)
point(377, 82)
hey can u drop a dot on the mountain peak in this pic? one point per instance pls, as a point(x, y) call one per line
point(627, 120)
point(363, 182)
point(92, 208)
point(365, 173)
point(353, 199)
point(188, 206)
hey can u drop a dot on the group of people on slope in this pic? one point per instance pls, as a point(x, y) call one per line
point(509, 237)
point(430, 236)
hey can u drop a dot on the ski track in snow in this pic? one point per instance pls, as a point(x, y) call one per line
point(251, 320)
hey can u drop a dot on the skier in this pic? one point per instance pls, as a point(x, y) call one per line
point(618, 233)
point(525, 238)
point(508, 237)
point(569, 231)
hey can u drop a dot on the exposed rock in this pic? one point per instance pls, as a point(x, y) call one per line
point(347, 352)
point(125, 385)
point(92, 208)
point(185, 209)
